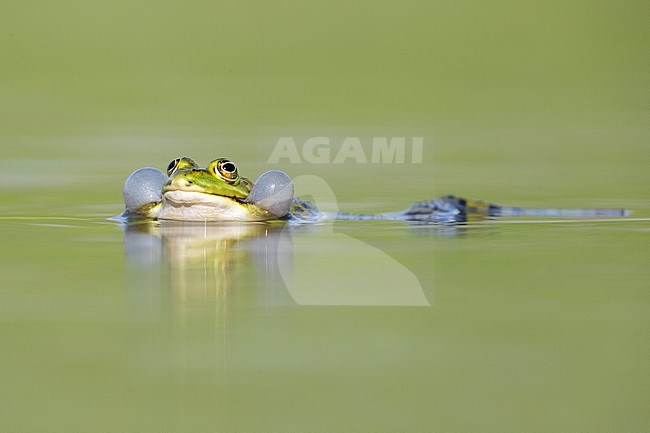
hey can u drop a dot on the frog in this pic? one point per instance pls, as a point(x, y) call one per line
point(187, 192)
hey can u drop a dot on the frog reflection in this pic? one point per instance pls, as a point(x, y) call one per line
point(207, 262)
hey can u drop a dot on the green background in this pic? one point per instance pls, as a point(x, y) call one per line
point(553, 94)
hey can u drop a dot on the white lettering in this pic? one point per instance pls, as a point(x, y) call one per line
point(317, 150)
point(285, 148)
point(386, 151)
point(314, 154)
point(351, 148)
point(417, 144)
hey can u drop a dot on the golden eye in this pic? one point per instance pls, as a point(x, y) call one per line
point(226, 169)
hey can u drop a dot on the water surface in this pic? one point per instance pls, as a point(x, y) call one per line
point(192, 327)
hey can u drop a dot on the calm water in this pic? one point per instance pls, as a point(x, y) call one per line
point(257, 328)
point(341, 327)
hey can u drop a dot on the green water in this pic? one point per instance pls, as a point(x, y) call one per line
point(351, 326)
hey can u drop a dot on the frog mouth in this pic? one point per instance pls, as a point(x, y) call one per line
point(187, 198)
point(199, 206)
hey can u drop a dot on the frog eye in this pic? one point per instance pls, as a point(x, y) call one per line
point(181, 163)
point(225, 168)
point(171, 168)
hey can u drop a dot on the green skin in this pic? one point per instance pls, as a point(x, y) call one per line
point(204, 181)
